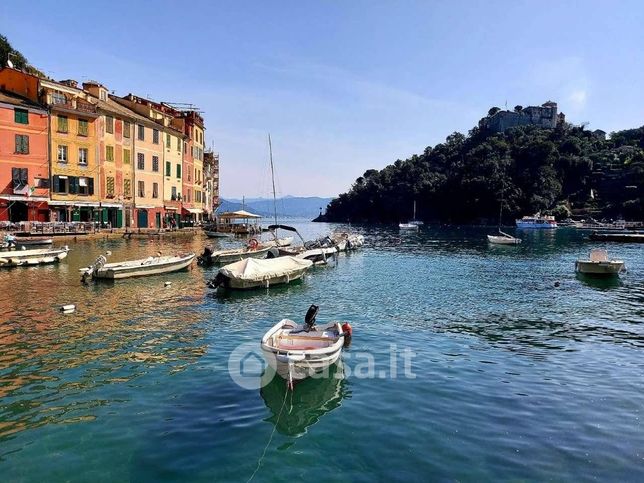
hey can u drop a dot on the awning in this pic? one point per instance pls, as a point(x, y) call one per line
point(81, 204)
point(238, 214)
point(111, 205)
point(194, 211)
point(147, 207)
point(171, 208)
point(35, 199)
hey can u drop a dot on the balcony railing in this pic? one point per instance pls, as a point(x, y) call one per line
point(74, 105)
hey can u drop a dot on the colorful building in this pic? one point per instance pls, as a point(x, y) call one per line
point(115, 147)
point(24, 160)
point(191, 124)
point(148, 163)
point(74, 161)
point(211, 183)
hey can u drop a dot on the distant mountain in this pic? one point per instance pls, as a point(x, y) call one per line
point(287, 207)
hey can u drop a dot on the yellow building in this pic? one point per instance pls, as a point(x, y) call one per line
point(73, 151)
point(173, 174)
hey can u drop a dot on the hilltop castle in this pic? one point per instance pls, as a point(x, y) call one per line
point(545, 116)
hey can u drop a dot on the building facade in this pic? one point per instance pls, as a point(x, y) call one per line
point(544, 116)
point(24, 159)
point(211, 183)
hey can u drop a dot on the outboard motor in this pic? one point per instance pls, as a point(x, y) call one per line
point(206, 258)
point(273, 253)
point(309, 318)
point(218, 281)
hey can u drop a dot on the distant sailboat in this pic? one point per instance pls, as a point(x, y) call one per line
point(412, 225)
point(502, 238)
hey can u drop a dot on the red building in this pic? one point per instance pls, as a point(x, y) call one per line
point(24, 159)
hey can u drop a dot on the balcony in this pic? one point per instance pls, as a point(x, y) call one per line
point(73, 105)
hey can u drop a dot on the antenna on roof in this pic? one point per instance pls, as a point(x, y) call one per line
point(9, 63)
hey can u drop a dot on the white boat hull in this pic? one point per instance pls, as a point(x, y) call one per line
point(32, 257)
point(250, 273)
point(609, 268)
point(503, 240)
point(296, 355)
point(407, 226)
point(217, 234)
point(230, 256)
point(143, 267)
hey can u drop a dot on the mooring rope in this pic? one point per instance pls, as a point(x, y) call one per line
point(261, 458)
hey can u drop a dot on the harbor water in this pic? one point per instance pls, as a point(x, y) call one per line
point(468, 362)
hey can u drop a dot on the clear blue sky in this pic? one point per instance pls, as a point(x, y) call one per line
point(343, 86)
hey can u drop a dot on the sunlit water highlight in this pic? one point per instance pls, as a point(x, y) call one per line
point(514, 378)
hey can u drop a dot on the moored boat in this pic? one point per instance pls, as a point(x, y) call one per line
point(136, 268)
point(39, 256)
point(407, 226)
point(217, 234)
point(252, 273)
point(253, 250)
point(622, 237)
point(503, 239)
point(537, 221)
point(347, 241)
point(599, 264)
point(299, 351)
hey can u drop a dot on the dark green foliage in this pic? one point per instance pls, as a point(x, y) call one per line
point(461, 180)
point(7, 52)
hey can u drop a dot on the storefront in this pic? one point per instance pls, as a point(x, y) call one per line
point(148, 216)
point(74, 211)
point(111, 215)
point(190, 216)
point(16, 208)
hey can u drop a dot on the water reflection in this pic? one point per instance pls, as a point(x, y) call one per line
point(310, 401)
point(599, 282)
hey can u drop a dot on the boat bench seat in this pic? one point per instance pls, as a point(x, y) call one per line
point(293, 347)
point(307, 337)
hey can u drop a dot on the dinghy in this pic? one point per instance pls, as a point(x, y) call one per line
point(32, 257)
point(299, 351)
point(136, 268)
point(252, 273)
point(599, 264)
point(407, 226)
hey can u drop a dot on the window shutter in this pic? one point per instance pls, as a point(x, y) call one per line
point(15, 177)
point(73, 184)
point(25, 140)
point(90, 185)
point(24, 177)
point(56, 183)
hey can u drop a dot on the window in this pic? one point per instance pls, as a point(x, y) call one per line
point(102, 94)
point(84, 185)
point(61, 184)
point(140, 161)
point(179, 144)
point(155, 136)
point(20, 178)
point(127, 187)
point(168, 168)
point(141, 189)
point(82, 127)
point(155, 164)
point(109, 124)
point(83, 154)
point(109, 185)
point(155, 190)
point(62, 124)
point(58, 98)
point(179, 171)
point(173, 197)
point(167, 141)
point(62, 153)
point(196, 179)
point(22, 144)
point(126, 129)
point(126, 156)
point(141, 132)
point(189, 196)
point(109, 153)
point(185, 147)
point(21, 116)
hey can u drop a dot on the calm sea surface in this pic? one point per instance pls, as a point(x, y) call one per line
point(511, 378)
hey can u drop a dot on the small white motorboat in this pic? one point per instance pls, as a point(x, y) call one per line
point(39, 256)
point(407, 226)
point(347, 241)
point(319, 256)
point(253, 250)
point(599, 264)
point(252, 273)
point(503, 239)
point(297, 351)
point(136, 268)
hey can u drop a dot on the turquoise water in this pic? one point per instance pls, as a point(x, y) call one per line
point(511, 378)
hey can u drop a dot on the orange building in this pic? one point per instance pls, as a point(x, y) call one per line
point(24, 160)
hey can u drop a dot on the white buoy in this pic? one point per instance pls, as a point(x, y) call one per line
point(68, 309)
point(167, 284)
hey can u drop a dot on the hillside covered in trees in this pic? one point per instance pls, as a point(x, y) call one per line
point(562, 171)
point(8, 53)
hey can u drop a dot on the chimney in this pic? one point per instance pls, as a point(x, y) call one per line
point(69, 83)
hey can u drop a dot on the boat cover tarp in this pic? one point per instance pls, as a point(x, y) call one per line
point(238, 214)
point(252, 269)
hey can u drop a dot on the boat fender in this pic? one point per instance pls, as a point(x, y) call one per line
point(167, 284)
point(347, 330)
point(289, 358)
point(68, 309)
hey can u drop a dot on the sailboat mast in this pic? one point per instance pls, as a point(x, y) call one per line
point(270, 150)
point(414, 209)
